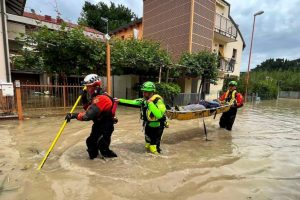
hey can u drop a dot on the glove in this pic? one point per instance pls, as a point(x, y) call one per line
point(84, 98)
point(115, 120)
point(83, 92)
point(70, 116)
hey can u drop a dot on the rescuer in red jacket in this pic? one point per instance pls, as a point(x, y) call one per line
point(101, 109)
point(233, 98)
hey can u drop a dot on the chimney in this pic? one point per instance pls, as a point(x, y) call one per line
point(48, 18)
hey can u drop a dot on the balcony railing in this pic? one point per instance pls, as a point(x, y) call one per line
point(225, 27)
point(227, 64)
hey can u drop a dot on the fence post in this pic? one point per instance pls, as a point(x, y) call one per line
point(19, 100)
point(64, 96)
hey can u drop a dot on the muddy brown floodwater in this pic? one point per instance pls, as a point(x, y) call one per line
point(258, 159)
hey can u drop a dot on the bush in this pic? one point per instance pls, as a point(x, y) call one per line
point(168, 91)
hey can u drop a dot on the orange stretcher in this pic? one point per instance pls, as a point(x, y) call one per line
point(187, 115)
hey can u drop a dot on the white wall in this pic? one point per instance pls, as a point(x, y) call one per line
point(2, 54)
point(14, 30)
point(4, 60)
point(222, 8)
point(238, 44)
point(122, 84)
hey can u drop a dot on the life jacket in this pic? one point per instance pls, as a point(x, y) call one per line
point(147, 116)
point(230, 98)
point(111, 112)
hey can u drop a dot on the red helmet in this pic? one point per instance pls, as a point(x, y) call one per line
point(92, 80)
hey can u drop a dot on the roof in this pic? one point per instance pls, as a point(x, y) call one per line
point(58, 21)
point(133, 23)
point(15, 7)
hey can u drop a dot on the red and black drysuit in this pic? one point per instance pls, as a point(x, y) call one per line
point(101, 109)
point(235, 99)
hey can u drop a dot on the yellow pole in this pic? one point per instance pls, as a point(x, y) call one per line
point(58, 134)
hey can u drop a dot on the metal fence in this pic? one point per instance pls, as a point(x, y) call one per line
point(48, 99)
point(186, 98)
point(227, 64)
point(225, 27)
point(289, 94)
point(260, 96)
point(7, 105)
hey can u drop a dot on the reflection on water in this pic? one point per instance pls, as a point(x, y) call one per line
point(258, 159)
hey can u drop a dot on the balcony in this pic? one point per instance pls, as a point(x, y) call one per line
point(225, 30)
point(227, 65)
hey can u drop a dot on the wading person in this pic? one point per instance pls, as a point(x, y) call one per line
point(153, 115)
point(101, 109)
point(233, 98)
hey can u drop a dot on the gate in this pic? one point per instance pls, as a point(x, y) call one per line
point(41, 100)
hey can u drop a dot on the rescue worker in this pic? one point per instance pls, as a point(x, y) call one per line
point(153, 115)
point(233, 98)
point(101, 109)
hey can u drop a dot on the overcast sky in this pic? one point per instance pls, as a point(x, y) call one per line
point(276, 32)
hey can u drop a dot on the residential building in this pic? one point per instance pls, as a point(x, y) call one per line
point(132, 30)
point(15, 7)
point(192, 26)
point(30, 22)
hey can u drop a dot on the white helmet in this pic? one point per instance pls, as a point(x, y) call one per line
point(92, 80)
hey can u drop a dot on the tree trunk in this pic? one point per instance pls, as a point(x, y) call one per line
point(200, 89)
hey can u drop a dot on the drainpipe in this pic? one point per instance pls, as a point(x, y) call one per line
point(5, 41)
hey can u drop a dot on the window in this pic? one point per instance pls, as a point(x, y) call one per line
point(234, 52)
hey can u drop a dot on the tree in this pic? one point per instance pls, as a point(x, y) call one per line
point(66, 51)
point(139, 57)
point(117, 16)
point(278, 64)
point(270, 75)
point(69, 51)
point(203, 64)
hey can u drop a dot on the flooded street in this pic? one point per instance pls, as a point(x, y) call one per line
point(258, 159)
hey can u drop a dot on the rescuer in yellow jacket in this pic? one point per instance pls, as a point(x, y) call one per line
point(153, 115)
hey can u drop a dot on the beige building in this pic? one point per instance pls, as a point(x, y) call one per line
point(15, 7)
point(13, 22)
point(192, 26)
point(30, 22)
point(131, 30)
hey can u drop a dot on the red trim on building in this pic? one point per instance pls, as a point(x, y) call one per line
point(58, 21)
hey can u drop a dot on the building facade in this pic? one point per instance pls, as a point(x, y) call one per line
point(131, 30)
point(27, 23)
point(192, 26)
point(15, 7)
